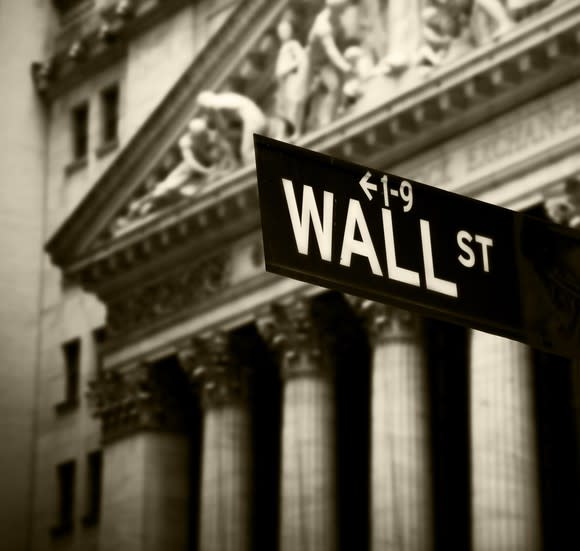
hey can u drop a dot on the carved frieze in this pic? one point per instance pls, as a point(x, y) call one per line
point(327, 59)
point(181, 289)
point(142, 398)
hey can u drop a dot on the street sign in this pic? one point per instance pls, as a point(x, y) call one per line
point(369, 233)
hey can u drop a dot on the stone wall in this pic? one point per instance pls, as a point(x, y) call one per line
point(22, 31)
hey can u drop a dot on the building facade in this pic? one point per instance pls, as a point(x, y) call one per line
point(187, 399)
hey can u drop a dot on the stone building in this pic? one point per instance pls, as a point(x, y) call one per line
point(186, 399)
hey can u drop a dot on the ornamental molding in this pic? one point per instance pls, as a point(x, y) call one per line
point(214, 370)
point(562, 203)
point(290, 329)
point(537, 56)
point(560, 266)
point(96, 39)
point(184, 288)
point(386, 323)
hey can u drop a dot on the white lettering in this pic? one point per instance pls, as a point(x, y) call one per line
point(434, 283)
point(301, 225)
point(350, 245)
point(396, 272)
point(485, 242)
point(463, 236)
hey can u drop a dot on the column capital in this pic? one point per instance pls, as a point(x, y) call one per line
point(562, 204)
point(290, 330)
point(135, 399)
point(385, 322)
point(214, 370)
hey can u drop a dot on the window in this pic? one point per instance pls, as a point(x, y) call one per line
point(94, 481)
point(65, 473)
point(72, 359)
point(80, 132)
point(109, 115)
point(67, 5)
point(98, 341)
point(72, 12)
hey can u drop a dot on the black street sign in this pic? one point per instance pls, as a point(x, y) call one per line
point(362, 231)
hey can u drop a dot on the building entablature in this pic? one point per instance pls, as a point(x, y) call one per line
point(92, 36)
point(184, 257)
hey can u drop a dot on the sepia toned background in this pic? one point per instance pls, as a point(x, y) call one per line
point(159, 390)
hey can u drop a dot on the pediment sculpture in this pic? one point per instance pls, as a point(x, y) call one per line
point(342, 57)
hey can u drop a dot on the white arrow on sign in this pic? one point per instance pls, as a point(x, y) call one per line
point(366, 186)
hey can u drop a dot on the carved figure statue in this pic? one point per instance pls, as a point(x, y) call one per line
point(327, 64)
point(438, 30)
point(363, 68)
point(290, 74)
point(496, 19)
point(197, 148)
point(227, 108)
point(203, 151)
point(375, 23)
point(447, 30)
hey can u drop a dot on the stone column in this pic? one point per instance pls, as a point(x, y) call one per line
point(226, 497)
point(401, 485)
point(145, 460)
point(504, 464)
point(308, 470)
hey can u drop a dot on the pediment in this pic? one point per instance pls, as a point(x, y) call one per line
point(228, 61)
point(394, 113)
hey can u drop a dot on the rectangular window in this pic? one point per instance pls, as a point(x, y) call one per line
point(80, 131)
point(72, 361)
point(65, 473)
point(72, 13)
point(98, 341)
point(94, 482)
point(68, 5)
point(109, 115)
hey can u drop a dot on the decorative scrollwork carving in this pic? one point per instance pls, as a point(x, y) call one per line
point(563, 207)
point(181, 289)
point(555, 308)
point(214, 370)
point(290, 331)
point(385, 323)
point(142, 398)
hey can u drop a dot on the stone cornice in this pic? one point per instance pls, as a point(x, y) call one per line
point(536, 57)
point(102, 44)
point(210, 69)
point(83, 53)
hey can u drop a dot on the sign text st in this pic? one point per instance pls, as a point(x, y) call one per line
point(386, 238)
